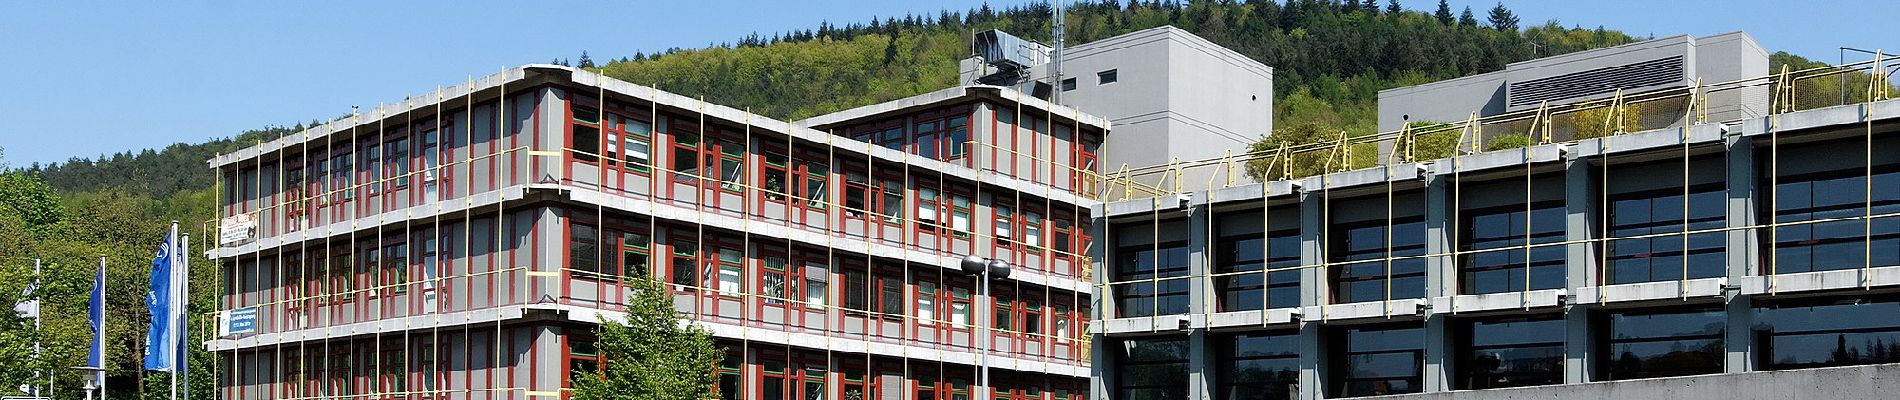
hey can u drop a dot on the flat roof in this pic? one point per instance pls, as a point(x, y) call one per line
point(948, 96)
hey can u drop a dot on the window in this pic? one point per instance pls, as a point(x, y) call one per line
point(956, 138)
point(686, 266)
point(584, 251)
point(731, 377)
point(396, 268)
point(893, 201)
point(817, 285)
point(1511, 352)
point(1359, 274)
point(1151, 280)
point(1243, 257)
point(1646, 242)
point(927, 199)
point(891, 296)
point(960, 214)
point(892, 138)
point(927, 303)
point(685, 152)
point(1005, 223)
point(1836, 244)
point(1827, 333)
point(583, 358)
point(637, 144)
point(1068, 84)
point(1655, 344)
point(776, 284)
point(1151, 368)
point(586, 129)
point(635, 248)
point(340, 177)
point(773, 173)
point(926, 137)
point(1106, 77)
point(1372, 361)
point(1032, 230)
point(1259, 366)
point(731, 271)
point(1496, 242)
point(960, 307)
point(339, 276)
point(398, 167)
point(431, 155)
point(815, 174)
point(372, 167)
point(856, 289)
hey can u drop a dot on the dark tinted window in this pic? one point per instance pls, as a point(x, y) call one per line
point(1828, 333)
point(1259, 367)
point(1151, 280)
point(1355, 280)
point(1651, 345)
point(1242, 259)
point(1511, 352)
point(1378, 360)
point(1830, 244)
point(1151, 369)
point(1501, 261)
point(1647, 242)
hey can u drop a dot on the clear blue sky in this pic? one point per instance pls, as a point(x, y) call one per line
point(89, 78)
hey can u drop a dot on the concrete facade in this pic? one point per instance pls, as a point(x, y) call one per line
point(1174, 96)
point(1727, 282)
point(1667, 63)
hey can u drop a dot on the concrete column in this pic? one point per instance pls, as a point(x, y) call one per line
point(1741, 260)
point(1580, 267)
point(1201, 359)
point(1441, 279)
point(1201, 365)
point(1313, 292)
point(1101, 361)
point(1200, 265)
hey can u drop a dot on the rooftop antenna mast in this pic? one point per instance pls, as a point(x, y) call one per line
point(1055, 56)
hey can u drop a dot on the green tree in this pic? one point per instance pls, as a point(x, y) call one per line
point(1467, 18)
point(1503, 19)
point(651, 355)
point(1444, 13)
point(1509, 141)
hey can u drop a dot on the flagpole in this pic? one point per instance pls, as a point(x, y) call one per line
point(184, 310)
point(173, 309)
point(39, 307)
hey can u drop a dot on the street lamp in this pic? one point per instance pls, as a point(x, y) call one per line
point(986, 269)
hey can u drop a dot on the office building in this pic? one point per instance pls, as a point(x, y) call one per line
point(1754, 254)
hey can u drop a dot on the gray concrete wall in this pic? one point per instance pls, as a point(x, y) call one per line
point(1861, 382)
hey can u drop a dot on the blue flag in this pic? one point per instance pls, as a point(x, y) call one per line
point(161, 349)
point(96, 315)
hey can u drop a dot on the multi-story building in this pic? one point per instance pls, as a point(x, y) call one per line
point(462, 244)
point(1752, 257)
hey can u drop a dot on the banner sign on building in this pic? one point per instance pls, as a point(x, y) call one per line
point(242, 321)
point(236, 229)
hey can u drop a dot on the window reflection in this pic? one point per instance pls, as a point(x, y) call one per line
point(1831, 244)
point(1151, 369)
point(1139, 293)
point(1244, 256)
point(1505, 232)
point(1511, 352)
point(1259, 366)
point(1636, 256)
point(1828, 333)
point(1361, 271)
point(1374, 361)
point(1661, 344)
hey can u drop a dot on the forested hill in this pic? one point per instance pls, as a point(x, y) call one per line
point(1330, 58)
